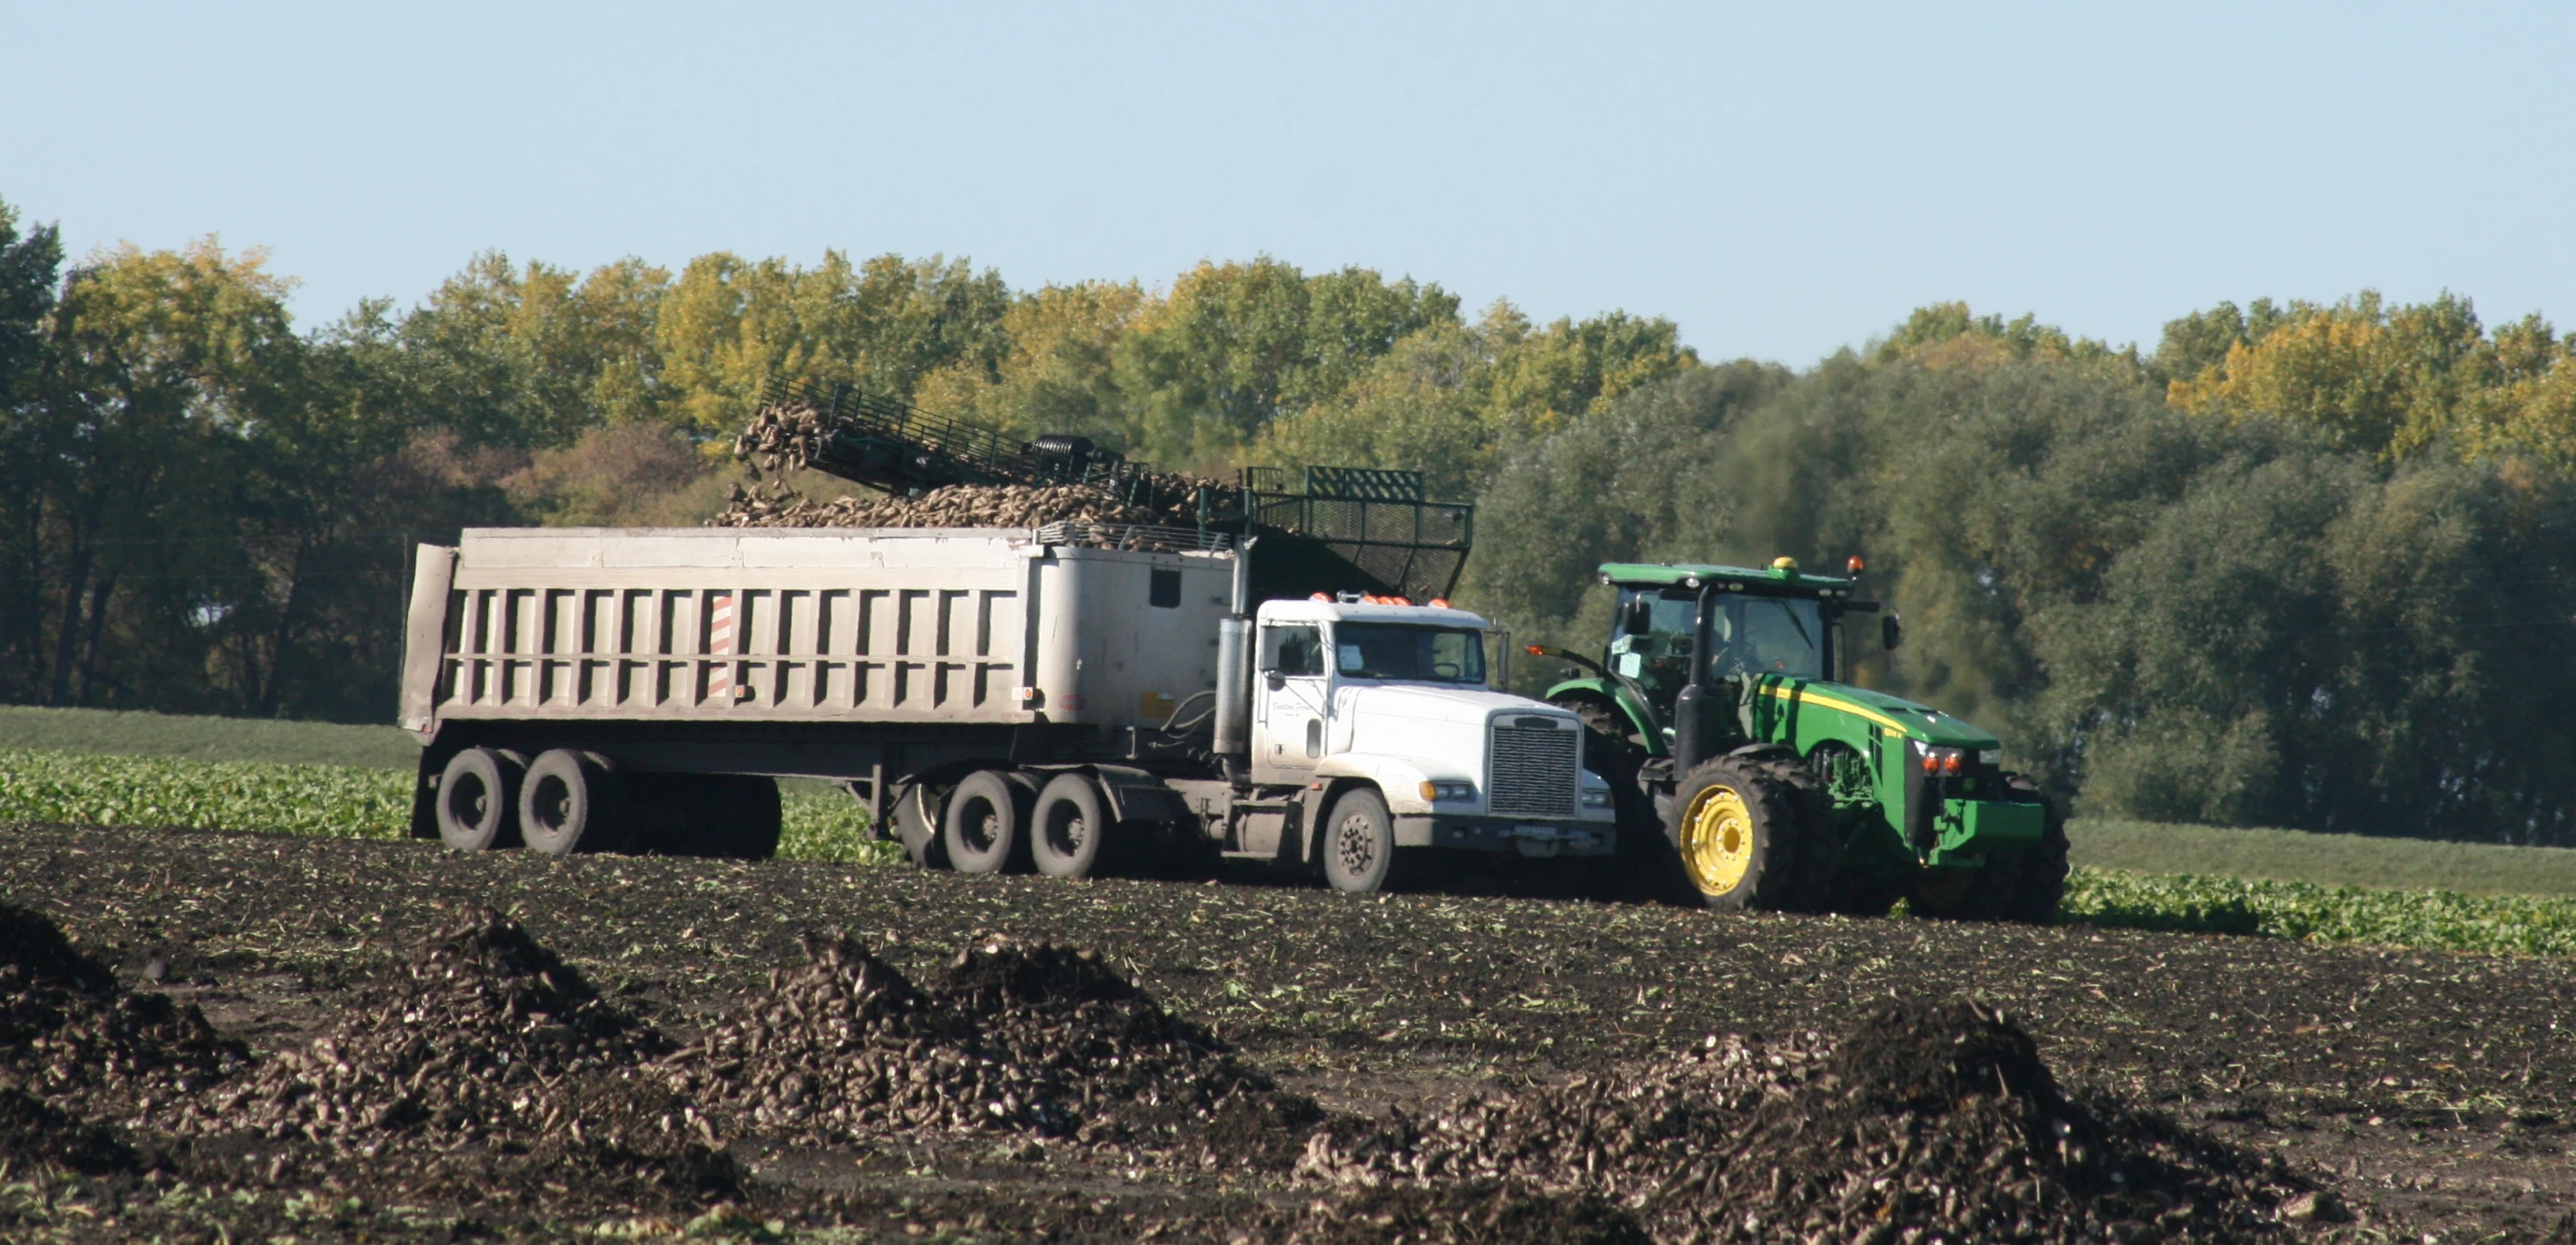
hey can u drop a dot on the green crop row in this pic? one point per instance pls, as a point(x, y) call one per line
point(2424, 919)
point(352, 802)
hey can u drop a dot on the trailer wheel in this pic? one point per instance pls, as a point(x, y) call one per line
point(918, 827)
point(1359, 843)
point(1070, 828)
point(986, 830)
point(478, 800)
point(567, 804)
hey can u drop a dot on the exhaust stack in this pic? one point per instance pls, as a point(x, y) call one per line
point(1234, 667)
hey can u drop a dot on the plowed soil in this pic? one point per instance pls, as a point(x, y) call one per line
point(249, 1036)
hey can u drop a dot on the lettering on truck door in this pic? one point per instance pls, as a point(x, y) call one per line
point(1288, 729)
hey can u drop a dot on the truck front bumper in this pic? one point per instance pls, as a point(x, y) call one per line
point(1503, 834)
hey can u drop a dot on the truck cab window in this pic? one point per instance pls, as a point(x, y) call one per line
point(1292, 649)
point(1397, 651)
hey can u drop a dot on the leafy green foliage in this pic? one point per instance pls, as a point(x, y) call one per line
point(2417, 919)
point(210, 795)
point(2327, 859)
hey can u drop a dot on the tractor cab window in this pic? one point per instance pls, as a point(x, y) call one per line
point(1294, 649)
point(1656, 655)
point(1766, 635)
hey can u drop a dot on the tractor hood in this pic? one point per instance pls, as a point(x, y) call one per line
point(1913, 721)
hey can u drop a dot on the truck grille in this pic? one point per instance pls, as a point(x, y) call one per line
point(1533, 769)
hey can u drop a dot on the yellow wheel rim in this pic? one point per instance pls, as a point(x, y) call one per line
point(1717, 839)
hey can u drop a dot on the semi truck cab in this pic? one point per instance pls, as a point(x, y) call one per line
point(1354, 698)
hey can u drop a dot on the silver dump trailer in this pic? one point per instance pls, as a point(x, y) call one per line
point(1001, 698)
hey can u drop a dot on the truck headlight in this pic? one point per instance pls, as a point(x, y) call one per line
point(1596, 799)
point(1991, 756)
point(1446, 792)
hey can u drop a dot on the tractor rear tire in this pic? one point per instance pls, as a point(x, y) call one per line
point(2024, 887)
point(1642, 858)
point(2041, 885)
point(1739, 827)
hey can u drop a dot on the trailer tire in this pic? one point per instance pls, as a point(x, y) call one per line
point(917, 828)
point(1359, 843)
point(478, 800)
point(568, 804)
point(986, 829)
point(1070, 830)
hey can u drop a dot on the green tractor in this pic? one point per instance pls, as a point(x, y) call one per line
point(1720, 717)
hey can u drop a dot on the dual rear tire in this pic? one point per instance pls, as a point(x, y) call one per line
point(569, 802)
point(1003, 821)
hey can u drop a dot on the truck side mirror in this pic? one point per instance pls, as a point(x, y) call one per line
point(1639, 617)
point(1890, 632)
point(1274, 680)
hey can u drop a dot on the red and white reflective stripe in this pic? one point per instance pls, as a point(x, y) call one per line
point(720, 644)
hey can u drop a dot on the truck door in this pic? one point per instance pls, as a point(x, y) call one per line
point(1288, 708)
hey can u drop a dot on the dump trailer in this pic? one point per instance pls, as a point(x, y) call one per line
point(1755, 775)
point(1053, 699)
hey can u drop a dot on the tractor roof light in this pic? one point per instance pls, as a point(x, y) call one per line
point(1855, 565)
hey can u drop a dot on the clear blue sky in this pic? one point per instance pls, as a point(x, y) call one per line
point(1780, 179)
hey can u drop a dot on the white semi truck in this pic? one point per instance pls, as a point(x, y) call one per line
point(1003, 699)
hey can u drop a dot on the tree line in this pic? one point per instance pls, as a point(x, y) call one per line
point(2301, 564)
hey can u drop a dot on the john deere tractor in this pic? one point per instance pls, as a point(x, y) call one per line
point(1720, 714)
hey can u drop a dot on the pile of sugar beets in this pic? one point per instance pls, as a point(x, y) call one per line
point(488, 1070)
point(783, 438)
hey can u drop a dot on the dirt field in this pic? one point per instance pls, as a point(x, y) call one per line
point(791, 1048)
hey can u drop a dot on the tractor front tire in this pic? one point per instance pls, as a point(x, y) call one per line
point(2041, 883)
point(1740, 831)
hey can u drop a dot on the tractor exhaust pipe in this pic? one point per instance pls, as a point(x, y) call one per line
point(1234, 669)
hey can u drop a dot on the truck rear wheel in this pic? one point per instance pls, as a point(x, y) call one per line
point(478, 799)
point(987, 824)
point(1739, 831)
point(1359, 843)
point(1070, 828)
point(567, 804)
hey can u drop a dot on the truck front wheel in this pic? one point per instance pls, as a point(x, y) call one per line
point(987, 824)
point(1359, 843)
point(1737, 829)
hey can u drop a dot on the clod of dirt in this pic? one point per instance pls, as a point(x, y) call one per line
point(1033, 1039)
point(67, 1029)
point(1925, 1120)
point(482, 1036)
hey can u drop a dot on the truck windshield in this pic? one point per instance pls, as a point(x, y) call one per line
point(1396, 651)
point(1766, 635)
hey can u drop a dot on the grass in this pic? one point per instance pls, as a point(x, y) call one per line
point(206, 739)
point(2344, 860)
